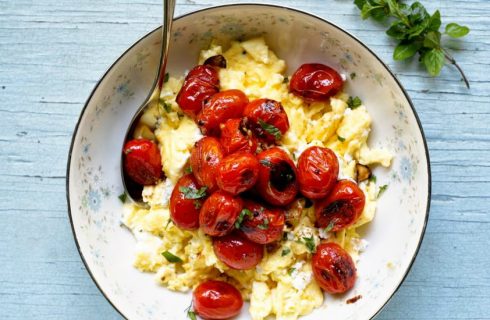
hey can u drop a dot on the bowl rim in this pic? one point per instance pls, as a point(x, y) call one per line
point(391, 73)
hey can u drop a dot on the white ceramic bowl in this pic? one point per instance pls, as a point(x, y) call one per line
point(94, 182)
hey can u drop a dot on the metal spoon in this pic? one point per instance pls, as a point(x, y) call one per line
point(133, 190)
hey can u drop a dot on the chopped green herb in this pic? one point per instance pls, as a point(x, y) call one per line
point(171, 257)
point(197, 204)
point(285, 252)
point(382, 189)
point(168, 223)
point(264, 225)
point(329, 227)
point(286, 80)
point(166, 106)
point(354, 103)
point(166, 77)
point(310, 244)
point(291, 270)
point(266, 163)
point(272, 130)
point(188, 170)
point(341, 139)
point(372, 178)
point(192, 193)
point(123, 196)
point(191, 315)
point(294, 156)
point(353, 75)
point(243, 213)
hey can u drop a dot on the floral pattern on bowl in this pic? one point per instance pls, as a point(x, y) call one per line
point(94, 181)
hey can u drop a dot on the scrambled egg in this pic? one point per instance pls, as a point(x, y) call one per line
point(284, 277)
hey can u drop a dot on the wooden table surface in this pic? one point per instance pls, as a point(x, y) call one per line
point(52, 52)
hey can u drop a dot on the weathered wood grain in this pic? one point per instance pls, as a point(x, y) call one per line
point(53, 52)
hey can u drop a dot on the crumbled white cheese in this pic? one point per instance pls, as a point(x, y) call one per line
point(343, 76)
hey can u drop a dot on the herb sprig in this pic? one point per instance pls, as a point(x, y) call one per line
point(416, 32)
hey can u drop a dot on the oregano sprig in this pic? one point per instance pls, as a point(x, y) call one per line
point(416, 32)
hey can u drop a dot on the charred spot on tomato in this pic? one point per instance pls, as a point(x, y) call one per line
point(326, 275)
point(282, 175)
point(247, 176)
point(216, 61)
point(339, 207)
point(222, 225)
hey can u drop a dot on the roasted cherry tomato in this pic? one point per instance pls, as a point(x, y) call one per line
point(277, 183)
point(318, 169)
point(200, 84)
point(235, 136)
point(220, 107)
point(216, 300)
point(315, 82)
point(205, 158)
point(262, 225)
point(238, 252)
point(267, 119)
point(333, 268)
point(142, 161)
point(186, 201)
point(237, 172)
point(219, 213)
point(342, 207)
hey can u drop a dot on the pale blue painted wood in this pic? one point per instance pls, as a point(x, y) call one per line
point(52, 52)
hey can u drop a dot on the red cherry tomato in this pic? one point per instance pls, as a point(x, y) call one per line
point(200, 84)
point(237, 252)
point(185, 204)
point(237, 172)
point(315, 82)
point(267, 119)
point(214, 299)
point(318, 169)
point(142, 161)
point(262, 225)
point(220, 107)
point(219, 213)
point(333, 268)
point(277, 182)
point(236, 137)
point(342, 207)
point(205, 158)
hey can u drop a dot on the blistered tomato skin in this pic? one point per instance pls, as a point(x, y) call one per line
point(218, 300)
point(205, 158)
point(264, 117)
point(200, 84)
point(263, 225)
point(342, 207)
point(235, 136)
point(142, 161)
point(220, 107)
point(237, 252)
point(277, 183)
point(237, 172)
point(315, 82)
point(184, 211)
point(333, 268)
point(318, 169)
point(219, 213)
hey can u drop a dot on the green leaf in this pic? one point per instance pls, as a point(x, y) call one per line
point(369, 10)
point(123, 196)
point(191, 315)
point(398, 30)
point(432, 39)
point(264, 225)
point(433, 61)
point(392, 5)
point(171, 257)
point(269, 128)
point(435, 21)
point(382, 189)
point(418, 29)
point(354, 103)
point(245, 212)
point(360, 3)
point(193, 193)
point(417, 13)
point(310, 244)
point(285, 252)
point(341, 139)
point(456, 31)
point(405, 50)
